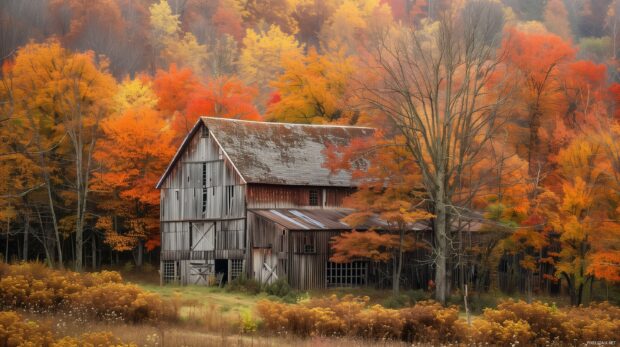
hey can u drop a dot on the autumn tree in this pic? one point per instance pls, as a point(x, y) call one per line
point(172, 43)
point(353, 22)
point(312, 89)
point(262, 54)
point(173, 87)
point(62, 97)
point(225, 97)
point(134, 152)
point(133, 93)
point(539, 59)
point(583, 213)
point(433, 87)
point(556, 19)
point(389, 190)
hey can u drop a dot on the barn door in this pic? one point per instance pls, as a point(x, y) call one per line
point(201, 236)
point(265, 265)
point(201, 241)
point(199, 272)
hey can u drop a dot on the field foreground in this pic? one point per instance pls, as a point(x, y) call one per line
point(44, 307)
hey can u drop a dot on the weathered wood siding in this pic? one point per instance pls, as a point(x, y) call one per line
point(268, 244)
point(274, 196)
point(202, 210)
point(307, 269)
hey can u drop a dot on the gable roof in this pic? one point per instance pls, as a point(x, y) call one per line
point(279, 153)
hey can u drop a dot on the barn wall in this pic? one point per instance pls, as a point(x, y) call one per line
point(307, 269)
point(268, 244)
point(202, 211)
point(276, 196)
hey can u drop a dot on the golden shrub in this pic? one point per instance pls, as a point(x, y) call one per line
point(14, 331)
point(509, 332)
point(378, 322)
point(545, 321)
point(96, 339)
point(429, 321)
point(102, 294)
point(598, 322)
point(273, 317)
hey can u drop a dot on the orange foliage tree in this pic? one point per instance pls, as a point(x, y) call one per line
point(388, 183)
point(136, 150)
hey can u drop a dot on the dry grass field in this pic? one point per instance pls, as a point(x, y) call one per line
point(40, 306)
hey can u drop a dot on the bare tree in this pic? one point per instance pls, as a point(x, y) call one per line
point(437, 86)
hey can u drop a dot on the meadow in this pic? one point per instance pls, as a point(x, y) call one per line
point(45, 307)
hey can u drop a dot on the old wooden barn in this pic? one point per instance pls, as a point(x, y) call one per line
point(254, 198)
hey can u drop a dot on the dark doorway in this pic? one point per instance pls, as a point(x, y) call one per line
point(221, 271)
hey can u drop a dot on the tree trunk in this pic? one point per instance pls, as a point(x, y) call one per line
point(399, 266)
point(441, 247)
point(48, 184)
point(8, 231)
point(26, 232)
point(44, 240)
point(93, 249)
point(140, 253)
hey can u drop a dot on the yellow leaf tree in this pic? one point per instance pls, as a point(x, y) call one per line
point(584, 214)
point(263, 53)
point(312, 89)
point(173, 45)
point(61, 98)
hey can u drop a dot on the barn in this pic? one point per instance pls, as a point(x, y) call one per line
point(254, 198)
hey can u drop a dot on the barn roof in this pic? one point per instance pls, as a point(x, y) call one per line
point(315, 219)
point(283, 153)
point(278, 153)
point(331, 219)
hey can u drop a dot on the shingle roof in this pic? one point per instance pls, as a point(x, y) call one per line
point(282, 153)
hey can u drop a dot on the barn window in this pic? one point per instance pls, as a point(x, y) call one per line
point(236, 268)
point(308, 244)
point(170, 271)
point(191, 231)
point(204, 132)
point(230, 194)
point(282, 238)
point(352, 274)
point(314, 197)
point(204, 187)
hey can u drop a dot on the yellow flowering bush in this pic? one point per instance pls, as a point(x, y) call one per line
point(33, 286)
point(511, 323)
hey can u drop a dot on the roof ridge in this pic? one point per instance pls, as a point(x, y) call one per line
point(294, 124)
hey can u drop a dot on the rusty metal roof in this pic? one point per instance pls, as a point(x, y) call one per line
point(283, 153)
point(320, 219)
point(331, 219)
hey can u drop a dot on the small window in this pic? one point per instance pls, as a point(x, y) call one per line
point(204, 132)
point(314, 197)
point(170, 271)
point(308, 244)
point(176, 194)
point(204, 187)
point(230, 194)
point(236, 268)
point(282, 238)
point(191, 232)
